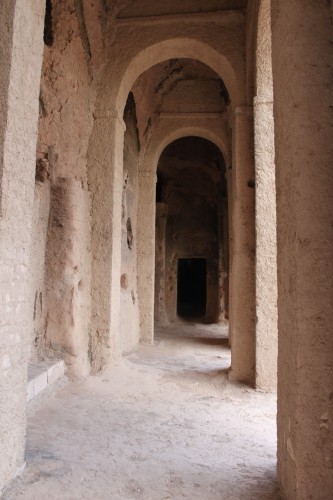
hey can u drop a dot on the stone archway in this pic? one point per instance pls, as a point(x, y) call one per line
point(191, 222)
point(181, 48)
point(166, 133)
point(105, 161)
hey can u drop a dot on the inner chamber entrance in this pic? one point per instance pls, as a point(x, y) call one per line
point(191, 248)
point(191, 287)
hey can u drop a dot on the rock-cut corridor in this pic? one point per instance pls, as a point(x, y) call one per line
point(165, 423)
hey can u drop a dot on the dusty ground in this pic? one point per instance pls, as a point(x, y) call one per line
point(164, 424)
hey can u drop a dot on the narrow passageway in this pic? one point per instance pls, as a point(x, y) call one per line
point(165, 423)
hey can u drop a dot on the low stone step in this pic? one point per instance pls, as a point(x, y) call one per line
point(42, 375)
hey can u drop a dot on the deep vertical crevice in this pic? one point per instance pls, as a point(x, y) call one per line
point(159, 189)
point(48, 24)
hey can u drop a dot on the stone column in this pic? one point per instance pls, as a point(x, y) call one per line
point(226, 253)
point(229, 177)
point(160, 311)
point(221, 258)
point(242, 306)
point(105, 170)
point(303, 104)
point(21, 52)
point(146, 253)
point(266, 277)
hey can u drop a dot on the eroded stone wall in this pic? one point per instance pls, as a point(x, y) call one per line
point(61, 261)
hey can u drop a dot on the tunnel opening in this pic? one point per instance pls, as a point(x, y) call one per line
point(191, 287)
point(192, 231)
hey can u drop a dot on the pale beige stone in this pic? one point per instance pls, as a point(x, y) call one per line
point(242, 269)
point(86, 253)
point(21, 27)
point(266, 273)
point(302, 74)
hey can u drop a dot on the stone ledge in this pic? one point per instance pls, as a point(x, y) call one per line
point(220, 17)
point(42, 375)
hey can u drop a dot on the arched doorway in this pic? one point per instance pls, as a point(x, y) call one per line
point(106, 159)
point(192, 243)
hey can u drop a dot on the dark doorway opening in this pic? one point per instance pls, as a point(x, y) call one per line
point(191, 287)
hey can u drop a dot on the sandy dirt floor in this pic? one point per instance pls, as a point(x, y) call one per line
point(165, 423)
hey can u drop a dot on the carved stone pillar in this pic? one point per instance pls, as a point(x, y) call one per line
point(303, 103)
point(242, 280)
point(106, 180)
point(146, 253)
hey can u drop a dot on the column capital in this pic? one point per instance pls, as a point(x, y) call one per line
point(161, 209)
point(244, 110)
point(228, 174)
point(148, 174)
point(267, 100)
point(110, 115)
